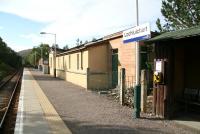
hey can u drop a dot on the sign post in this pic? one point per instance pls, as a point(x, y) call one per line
point(137, 33)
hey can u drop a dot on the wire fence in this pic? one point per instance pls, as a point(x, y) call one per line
point(128, 92)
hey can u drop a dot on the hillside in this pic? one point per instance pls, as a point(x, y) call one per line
point(24, 53)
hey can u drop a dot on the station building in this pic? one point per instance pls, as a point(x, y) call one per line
point(52, 63)
point(97, 64)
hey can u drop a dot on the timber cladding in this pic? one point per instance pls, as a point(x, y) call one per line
point(181, 72)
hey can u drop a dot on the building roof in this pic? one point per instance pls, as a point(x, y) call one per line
point(95, 42)
point(58, 50)
point(83, 46)
point(189, 32)
point(114, 35)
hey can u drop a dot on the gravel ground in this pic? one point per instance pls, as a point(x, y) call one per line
point(86, 112)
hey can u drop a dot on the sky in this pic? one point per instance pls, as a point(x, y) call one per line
point(21, 21)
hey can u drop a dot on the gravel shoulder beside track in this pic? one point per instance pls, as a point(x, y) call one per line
point(86, 112)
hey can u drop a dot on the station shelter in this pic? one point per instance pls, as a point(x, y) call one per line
point(176, 72)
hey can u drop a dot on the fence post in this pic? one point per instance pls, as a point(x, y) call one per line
point(88, 78)
point(136, 104)
point(143, 91)
point(122, 85)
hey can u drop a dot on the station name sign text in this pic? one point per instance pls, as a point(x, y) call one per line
point(138, 33)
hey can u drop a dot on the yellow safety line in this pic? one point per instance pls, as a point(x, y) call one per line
point(55, 122)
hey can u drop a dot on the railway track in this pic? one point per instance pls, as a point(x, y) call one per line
point(7, 94)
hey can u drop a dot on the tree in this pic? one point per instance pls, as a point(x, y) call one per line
point(179, 14)
point(41, 51)
point(66, 47)
point(86, 42)
point(79, 42)
point(8, 56)
point(57, 46)
point(94, 39)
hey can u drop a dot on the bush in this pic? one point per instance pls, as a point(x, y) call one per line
point(5, 70)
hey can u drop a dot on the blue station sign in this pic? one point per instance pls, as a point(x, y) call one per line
point(138, 33)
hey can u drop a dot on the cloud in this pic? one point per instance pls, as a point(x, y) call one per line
point(41, 10)
point(18, 47)
point(72, 19)
point(38, 39)
point(33, 37)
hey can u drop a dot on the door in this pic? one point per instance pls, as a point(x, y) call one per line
point(114, 68)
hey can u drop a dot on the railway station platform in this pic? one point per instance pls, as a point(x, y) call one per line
point(36, 115)
point(80, 112)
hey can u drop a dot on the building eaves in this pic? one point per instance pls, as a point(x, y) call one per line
point(100, 40)
point(189, 32)
point(80, 47)
point(114, 35)
point(72, 50)
point(58, 50)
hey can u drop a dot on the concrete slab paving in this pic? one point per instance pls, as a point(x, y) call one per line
point(30, 118)
point(35, 114)
point(189, 122)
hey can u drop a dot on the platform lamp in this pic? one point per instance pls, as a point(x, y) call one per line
point(54, 48)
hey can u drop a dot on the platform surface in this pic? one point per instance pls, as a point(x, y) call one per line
point(80, 110)
point(36, 115)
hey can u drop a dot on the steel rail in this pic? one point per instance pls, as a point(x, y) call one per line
point(3, 83)
point(9, 103)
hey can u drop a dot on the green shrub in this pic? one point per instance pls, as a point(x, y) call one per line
point(5, 70)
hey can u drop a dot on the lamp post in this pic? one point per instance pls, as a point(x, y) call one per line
point(41, 59)
point(35, 59)
point(55, 50)
point(41, 51)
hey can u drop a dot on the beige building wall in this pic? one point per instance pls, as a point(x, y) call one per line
point(77, 78)
point(60, 70)
point(98, 58)
point(98, 81)
point(77, 68)
point(73, 67)
point(99, 67)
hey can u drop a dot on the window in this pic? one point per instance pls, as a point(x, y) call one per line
point(114, 51)
point(63, 62)
point(69, 61)
point(77, 61)
point(58, 62)
point(82, 60)
point(51, 62)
